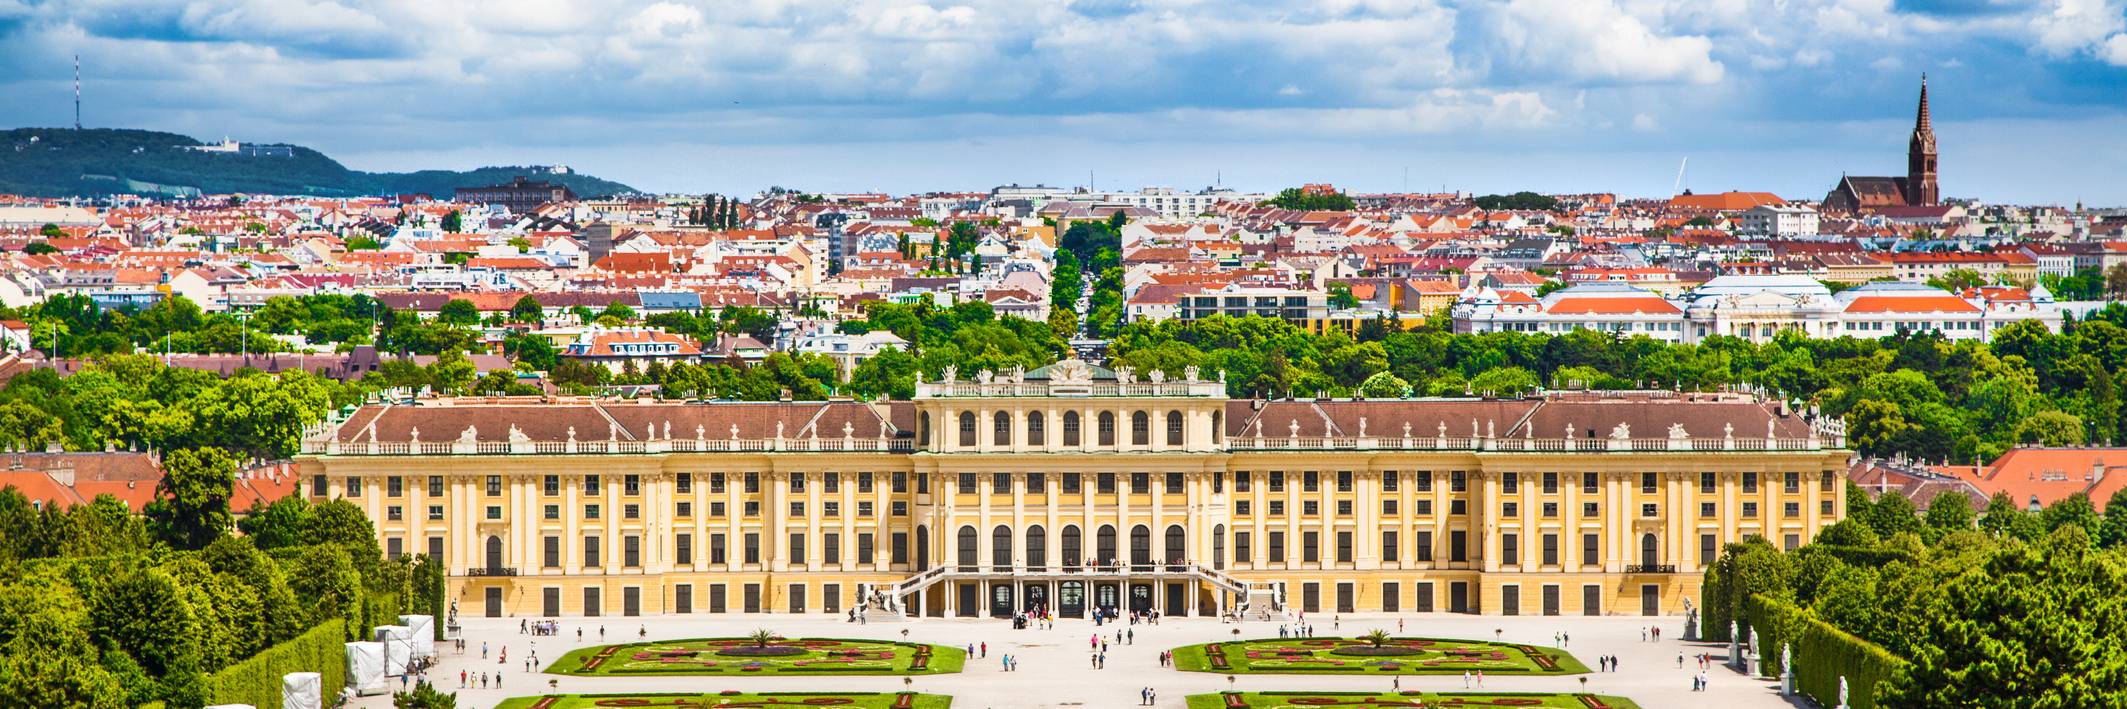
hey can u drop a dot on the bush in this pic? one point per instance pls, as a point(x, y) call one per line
point(1823, 654)
point(257, 681)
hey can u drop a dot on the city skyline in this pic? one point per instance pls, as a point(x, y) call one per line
point(901, 97)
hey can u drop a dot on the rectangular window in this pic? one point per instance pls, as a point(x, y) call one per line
point(1388, 508)
point(550, 485)
point(831, 483)
point(631, 511)
point(1750, 483)
point(797, 509)
point(1000, 483)
point(1388, 481)
point(394, 513)
point(590, 511)
point(683, 509)
point(550, 552)
point(1458, 506)
point(354, 486)
point(797, 547)
point(1458, 546)
point(1388, 545)
point(435, 512)
point(753, 549)
point(1277, 481)
point(1037, 484)
point(1705, 509)
point(1310, 547)
point(1750, 509)
point(797, 482)
point(1510, 549)
point(1344, 508)
point(864, 509)
point(1310, 482)
point(899, 541)
point(1344, 481)
point(1344, 547)
point(683, 483)
point(1550, 483)
point(1174, 483)
point(1104, 483)
point(1706, 483)
point(864, 483)
point(716, 509)
point(1791, 483)
point(1510, 509)
point(1650, 510)
point(1648, 483)
point(1550, 550)
point(1422, 507)
point(716, 549)
point(395, 486)
point(1241, 551)
point(753, 483)
point(1550, 509)
point(494, 485)
point(1140, 483)
point(590, 552)
point(1588, 509)
point(590, 484)
point(1590, 550)
point(552, 511)
point(830, 548)
point(1241, 508)
point(716, 483)
point(1510, 483)
point(318, 486)
point(1071, 484)
point(1824, 481)
point(631, 551)
point(900, 483)
point(864, 547)
point(1588, 482)
point(1422, 480)
point(1422, 547)
point(631, 485)
point(830, 509)
point(1241, 481)
point(1276, 541)
point(1706, 549)
point(1824, 508)
point(683, 549)
point(900, 508)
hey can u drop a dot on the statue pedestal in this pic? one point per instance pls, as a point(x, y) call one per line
point(1787, 683)
point(1691, 629)
point(1755, 666)
point(1735, 654)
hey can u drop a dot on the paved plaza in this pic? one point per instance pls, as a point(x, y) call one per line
point(1055, 668)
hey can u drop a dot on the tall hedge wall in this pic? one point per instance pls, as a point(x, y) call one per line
point(257, 681)
point(1823, 654)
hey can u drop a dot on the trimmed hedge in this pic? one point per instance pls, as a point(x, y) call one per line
point(257, 681)
point(1823, 654)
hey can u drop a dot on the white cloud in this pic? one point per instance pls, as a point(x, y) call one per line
point(2074, 26)
point(1583, 40)
point(1644, 122)
point(2115, 50)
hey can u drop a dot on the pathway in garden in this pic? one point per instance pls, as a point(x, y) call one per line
point(1054, 670)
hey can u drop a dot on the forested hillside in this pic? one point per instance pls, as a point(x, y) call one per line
point(59, 162)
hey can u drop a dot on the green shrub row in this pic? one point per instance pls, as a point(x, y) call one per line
point(257, 681)
point(1822, 653)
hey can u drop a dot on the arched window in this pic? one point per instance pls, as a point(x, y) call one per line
point(1218, 431)
point(1001, 546)
point(1177, 548)
point(1104, 544)
point(1001, 434)
point(1070, 428)
point(1218, 547)
point(1650, 551)
point(1072, 547)
point(1037, 429)
point(494, 553)
point(967, 549)
point(1107, 428)
point(967, 429)
point(923, 430)
point(1140, 429)
point(923, 548)
point(1037, 548)
point(1174, 428)
point(1140, 545)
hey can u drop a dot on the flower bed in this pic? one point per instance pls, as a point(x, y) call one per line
point(712, 656)
point(1411, 699)
point(734, 700)
point(1397, 656)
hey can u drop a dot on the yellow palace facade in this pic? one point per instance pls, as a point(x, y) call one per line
point(1072, 488)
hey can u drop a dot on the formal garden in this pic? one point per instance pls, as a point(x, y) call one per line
point(734, 700)
point(762, 653)
point(1428, 700)
point(1374, 652)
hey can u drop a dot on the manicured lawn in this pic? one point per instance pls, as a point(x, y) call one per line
point(1430, 700)
point(854, 700)
point(1401, 656)
point(737, 656)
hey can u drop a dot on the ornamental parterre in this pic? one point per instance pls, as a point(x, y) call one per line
point(1413, 700)
point(741, 656)
point(1396, 656)
point(734, 700)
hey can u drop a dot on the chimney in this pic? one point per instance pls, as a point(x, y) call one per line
point(2097, 473)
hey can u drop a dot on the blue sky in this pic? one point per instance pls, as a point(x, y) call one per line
point(2030, 96)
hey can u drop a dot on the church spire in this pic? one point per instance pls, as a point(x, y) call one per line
point(1920, 189)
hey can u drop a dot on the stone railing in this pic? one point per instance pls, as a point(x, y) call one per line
point(326, 446)
point(1531, 445)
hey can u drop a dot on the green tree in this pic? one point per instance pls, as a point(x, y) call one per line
point(1340, 296)
point(458, 311)
point(453, 222)
point(192, 507)
point(39, 248)
point(2050, 428)
point(49, 660)
point(424, 696)
point(1295, 198)
point(1950, 512)
point(1518, 201)
point(527, 310)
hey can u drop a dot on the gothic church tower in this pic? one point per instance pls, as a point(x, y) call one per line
point(1920, 157)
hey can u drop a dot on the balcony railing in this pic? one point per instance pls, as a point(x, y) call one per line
point(1651, 569)
point(492, 571)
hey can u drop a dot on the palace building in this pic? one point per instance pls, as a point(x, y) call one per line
point(1071, 488)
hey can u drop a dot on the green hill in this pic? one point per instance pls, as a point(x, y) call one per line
point(62, 162)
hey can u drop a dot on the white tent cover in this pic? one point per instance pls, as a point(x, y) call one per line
point(365, 668)
point(302, 690)
point(424, 638)
point(398, 648)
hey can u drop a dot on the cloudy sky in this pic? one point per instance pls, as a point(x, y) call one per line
point(2030, 96)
